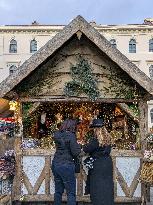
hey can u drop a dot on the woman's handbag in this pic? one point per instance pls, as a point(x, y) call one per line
point(89, 162)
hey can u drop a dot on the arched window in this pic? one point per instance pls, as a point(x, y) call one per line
point(113, 42)
point(13, 46)
point(132, 46)
point(33, 46)
point(151, 115)
point(151, 71)
point(151, 45)
point(12, 69)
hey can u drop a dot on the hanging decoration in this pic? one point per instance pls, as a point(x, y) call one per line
point(83, 81)
point(85, 116)
point(13, 105)
point(123, 129)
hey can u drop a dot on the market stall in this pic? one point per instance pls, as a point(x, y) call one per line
point(147, 167)
point(77, 73)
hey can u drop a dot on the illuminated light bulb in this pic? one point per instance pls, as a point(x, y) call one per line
point(13, 105)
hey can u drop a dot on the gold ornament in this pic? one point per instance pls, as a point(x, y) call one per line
point(13, 105)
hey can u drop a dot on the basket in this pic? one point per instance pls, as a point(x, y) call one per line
point(147, 172)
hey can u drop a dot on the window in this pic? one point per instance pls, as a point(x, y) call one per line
point(151, 115)
point(12, 69)
point(13, 46)
point(151, 71)
point(113, 42)
point(33, 46)
point(151, 45)
point(132, 46)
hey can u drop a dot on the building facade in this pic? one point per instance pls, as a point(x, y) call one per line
point(19, 42)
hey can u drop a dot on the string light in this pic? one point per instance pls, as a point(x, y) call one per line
point(13, 105)
point(123, 129)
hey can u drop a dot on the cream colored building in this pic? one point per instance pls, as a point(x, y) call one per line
point(19, 42)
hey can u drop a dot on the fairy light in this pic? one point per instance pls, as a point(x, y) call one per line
point(123, 132)
point(13, 105)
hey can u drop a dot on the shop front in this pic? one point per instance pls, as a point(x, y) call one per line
point(79, 74)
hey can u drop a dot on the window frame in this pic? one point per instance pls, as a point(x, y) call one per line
point(12, 71)
point(151, 115)
point(113, 42)
point(13, 46)
point(33, 46)
point(132, 46)
point(151, 45)
point(151, 72)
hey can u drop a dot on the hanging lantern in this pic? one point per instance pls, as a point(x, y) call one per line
point(13, 105)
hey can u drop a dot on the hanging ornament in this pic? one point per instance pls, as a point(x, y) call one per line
point(13, 105)
point(59, 118)
point(118, 111)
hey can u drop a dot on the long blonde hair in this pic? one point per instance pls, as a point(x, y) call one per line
point(103, 136)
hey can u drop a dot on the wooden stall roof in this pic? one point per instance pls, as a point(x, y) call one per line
point(81, 25)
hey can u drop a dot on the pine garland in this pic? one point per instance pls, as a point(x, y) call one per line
point(83, 81)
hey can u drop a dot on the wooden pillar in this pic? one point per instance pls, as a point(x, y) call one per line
point(80, 184)
point(16, 189)
point(47, 174)
point(18, 118)
point(143, 109)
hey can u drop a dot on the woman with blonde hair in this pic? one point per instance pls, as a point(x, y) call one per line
point(100, 184)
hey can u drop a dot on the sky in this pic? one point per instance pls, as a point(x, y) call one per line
point(61, 12)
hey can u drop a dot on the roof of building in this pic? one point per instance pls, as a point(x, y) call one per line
point(78, 24)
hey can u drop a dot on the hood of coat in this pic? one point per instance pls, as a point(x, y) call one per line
point(65, 133)
point(69, 125)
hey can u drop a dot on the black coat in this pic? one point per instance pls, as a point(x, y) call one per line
point(67, 147)
point(100, 178)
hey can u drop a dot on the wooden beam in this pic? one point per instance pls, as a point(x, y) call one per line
point(38, 198)
point(47, 174)
point(126, 153)
point(143, 118)
point(79, 184)
point(114, 152)
point(18, 175)
point(38, 152)
point(33, 108)
point(135, 182)
point(27, 183)
point(130, 112)
point(73, 99)
point(122, 183)
point(39, 181)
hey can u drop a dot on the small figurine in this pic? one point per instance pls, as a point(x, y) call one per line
point(42, 124)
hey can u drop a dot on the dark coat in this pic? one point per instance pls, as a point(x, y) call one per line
point(100, 178)
point(67, 147)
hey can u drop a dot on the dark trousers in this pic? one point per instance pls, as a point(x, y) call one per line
point(64, 177)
